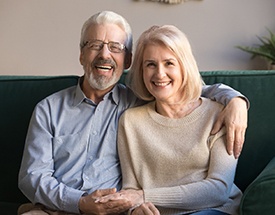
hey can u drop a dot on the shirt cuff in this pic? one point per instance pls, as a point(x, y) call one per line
point(71, 200)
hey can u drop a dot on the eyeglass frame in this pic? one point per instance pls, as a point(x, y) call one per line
point(122, 46)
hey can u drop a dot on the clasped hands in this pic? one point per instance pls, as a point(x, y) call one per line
point(108, 201)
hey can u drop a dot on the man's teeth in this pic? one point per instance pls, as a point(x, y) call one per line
point(161, 84)
point(104, 67)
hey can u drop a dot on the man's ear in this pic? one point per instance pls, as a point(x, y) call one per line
point(128, 60)
point(81, 56)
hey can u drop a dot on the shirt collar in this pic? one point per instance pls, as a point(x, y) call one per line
point(80, 96)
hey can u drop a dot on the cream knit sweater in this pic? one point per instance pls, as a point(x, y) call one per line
point(178, 164)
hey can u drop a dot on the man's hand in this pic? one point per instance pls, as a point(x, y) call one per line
point(135, 197)
point(146, 208)
point(89, 204)
point(234, 117)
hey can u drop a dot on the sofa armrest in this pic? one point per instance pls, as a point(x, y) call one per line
point(258, 198)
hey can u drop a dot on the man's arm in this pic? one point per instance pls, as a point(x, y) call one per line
point(222, 93)
point(36, 176)
point(38, 173)
point(234, 115)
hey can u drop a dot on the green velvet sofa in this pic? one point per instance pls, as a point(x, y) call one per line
point(256, 168)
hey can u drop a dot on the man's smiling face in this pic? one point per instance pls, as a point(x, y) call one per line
point(103, 68)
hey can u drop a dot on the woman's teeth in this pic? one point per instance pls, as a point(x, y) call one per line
point(161, 84)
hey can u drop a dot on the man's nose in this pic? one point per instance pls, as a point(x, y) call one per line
point(104, 51)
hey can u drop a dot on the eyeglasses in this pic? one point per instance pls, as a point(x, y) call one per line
point(97, 45)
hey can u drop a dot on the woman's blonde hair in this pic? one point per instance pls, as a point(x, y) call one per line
point(175, 40)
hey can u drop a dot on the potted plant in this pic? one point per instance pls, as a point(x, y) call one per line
point(266, 49)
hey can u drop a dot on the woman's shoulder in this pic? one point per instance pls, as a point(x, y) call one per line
point(138, 112)
point(140, 109)
point(210, 110)
point(213, 105)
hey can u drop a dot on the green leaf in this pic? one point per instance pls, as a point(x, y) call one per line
point(265, 49)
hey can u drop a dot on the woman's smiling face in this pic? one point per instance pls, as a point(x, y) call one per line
point(162, 73)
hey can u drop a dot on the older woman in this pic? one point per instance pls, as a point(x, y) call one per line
point(167, 154)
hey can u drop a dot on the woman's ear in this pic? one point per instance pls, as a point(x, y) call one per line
point(128, 60)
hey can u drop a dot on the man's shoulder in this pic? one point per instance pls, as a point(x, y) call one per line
point(126, 96)
point(124, 89)
point(60, 95)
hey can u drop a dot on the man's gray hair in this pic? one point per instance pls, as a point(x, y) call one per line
point(108, 17)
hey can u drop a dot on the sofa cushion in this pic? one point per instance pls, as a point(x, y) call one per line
point(259, 147)
point(18, 96)
point(259, 196)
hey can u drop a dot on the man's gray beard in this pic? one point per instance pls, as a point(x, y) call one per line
point(101, 82)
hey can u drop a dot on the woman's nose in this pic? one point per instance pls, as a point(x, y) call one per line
point(160, 72)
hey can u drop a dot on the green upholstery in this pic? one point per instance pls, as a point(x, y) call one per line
point(259, 148)
point(19, 94)
point(260, 192)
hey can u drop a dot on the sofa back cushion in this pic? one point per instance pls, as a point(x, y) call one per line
point(18, 96)
point(259, 148)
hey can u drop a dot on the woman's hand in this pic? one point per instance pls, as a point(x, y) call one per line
point(88, 204)
point(135, 197)
point(147, 208)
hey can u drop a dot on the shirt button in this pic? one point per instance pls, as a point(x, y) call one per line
point(94, 133)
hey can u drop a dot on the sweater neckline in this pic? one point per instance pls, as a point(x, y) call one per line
point(172, 122)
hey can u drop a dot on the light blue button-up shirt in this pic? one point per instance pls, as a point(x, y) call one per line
point(71, 147)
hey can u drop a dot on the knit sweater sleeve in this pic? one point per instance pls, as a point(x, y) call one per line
point(128, 177)
point(214, 190)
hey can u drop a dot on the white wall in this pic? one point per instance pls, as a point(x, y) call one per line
point(41, 37)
